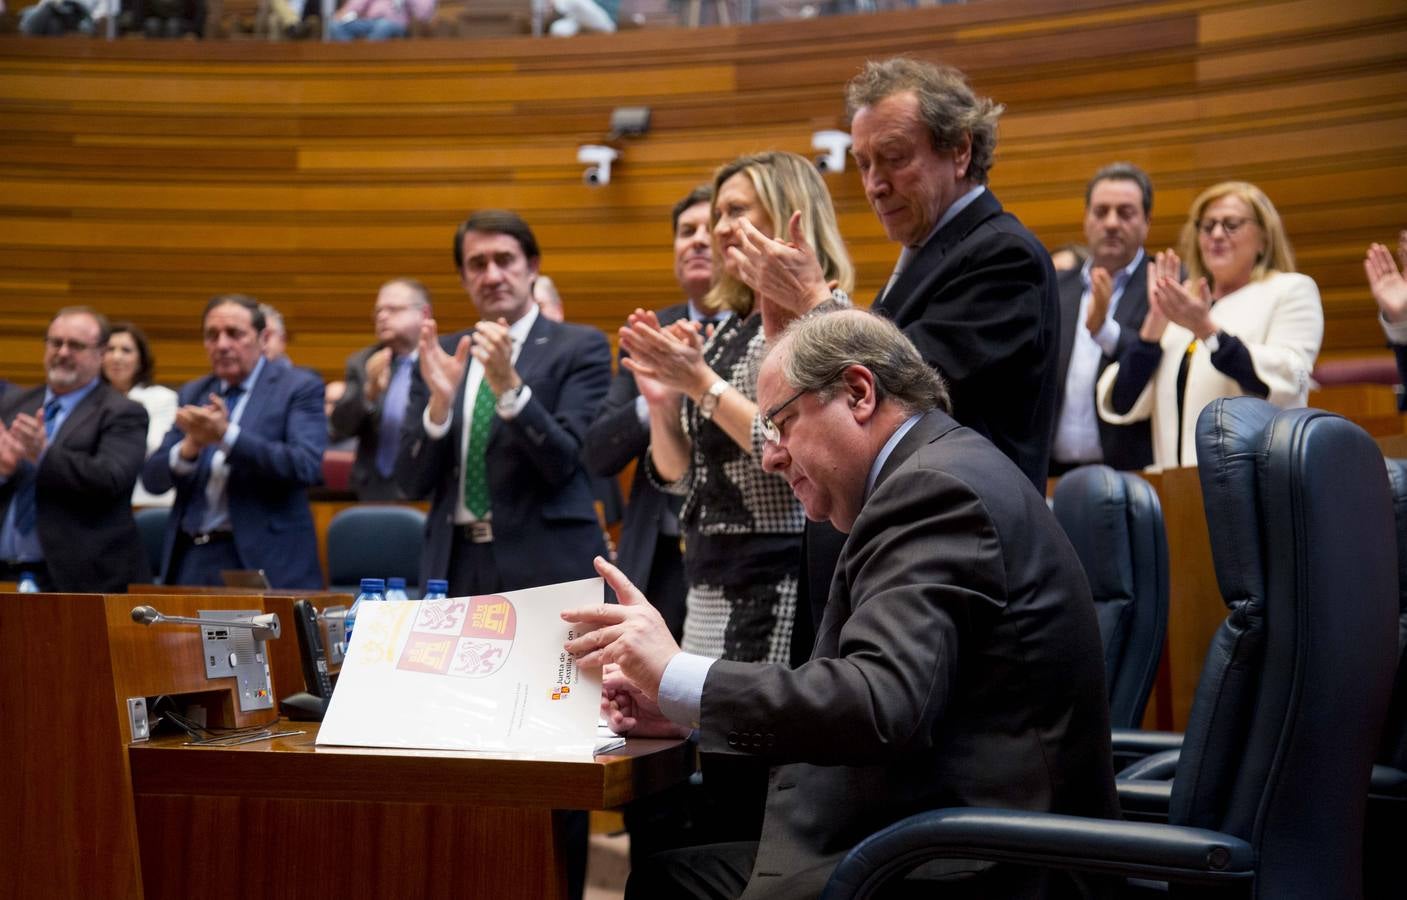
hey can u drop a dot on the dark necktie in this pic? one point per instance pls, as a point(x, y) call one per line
point(26, 508)
point(393, 403)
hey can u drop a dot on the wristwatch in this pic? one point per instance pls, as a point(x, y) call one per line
point(708, 403)
point(508, 400)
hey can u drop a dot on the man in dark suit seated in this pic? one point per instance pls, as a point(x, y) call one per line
point(1102, 305)
point(70, 451)
point(959, 660)
point(496, 440)
point(649, 540)
point(247, 443)
point(372, 408)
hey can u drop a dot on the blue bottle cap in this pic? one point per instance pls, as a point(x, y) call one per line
point(373, 586)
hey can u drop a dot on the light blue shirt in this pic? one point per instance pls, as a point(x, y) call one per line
point(26, 547)
point(217, 504)
point(1077, 432)
point(682, 684)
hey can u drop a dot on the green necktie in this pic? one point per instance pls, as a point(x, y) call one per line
point(476, 470)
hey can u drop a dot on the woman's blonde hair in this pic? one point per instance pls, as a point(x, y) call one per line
point(1277, 256)
point(785, 183)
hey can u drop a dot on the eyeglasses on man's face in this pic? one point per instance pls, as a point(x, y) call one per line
point(1229, 225)
point(57, 344)
point(771, 432)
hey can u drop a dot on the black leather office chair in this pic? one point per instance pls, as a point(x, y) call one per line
point(1387, 796)
point(1115, 522)
point(372, 541)
point(151, 525)
point(1272, 782)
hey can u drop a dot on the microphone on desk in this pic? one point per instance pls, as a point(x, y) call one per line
point(262, 627)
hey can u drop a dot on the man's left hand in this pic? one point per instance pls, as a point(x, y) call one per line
point(628, 711)
point(631, 634)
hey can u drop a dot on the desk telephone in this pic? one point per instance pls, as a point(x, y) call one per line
point(310, 705)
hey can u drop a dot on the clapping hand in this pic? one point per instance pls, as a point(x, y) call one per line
point(1385, 281)
point(1101, 291)
point(378, 374)
point(441, 371)
point(672, 357)
point(785, 273)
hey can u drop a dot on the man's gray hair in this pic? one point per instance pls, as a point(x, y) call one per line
point(949, 106)
point(817, 348)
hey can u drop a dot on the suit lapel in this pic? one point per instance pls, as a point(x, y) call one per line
point(932, 426)
point(931, 255)
point(86, 409)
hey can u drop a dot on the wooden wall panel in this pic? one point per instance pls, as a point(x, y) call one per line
point(142, 177)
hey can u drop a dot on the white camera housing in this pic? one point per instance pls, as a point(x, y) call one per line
point(833, 146)
point(598, 159)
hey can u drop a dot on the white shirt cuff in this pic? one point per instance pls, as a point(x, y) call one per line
point(1396, 331)
point(508, 413)
point(1108, 336)
point(642, 410)
point(435, 432)
point(681, 688)
point(179, 464)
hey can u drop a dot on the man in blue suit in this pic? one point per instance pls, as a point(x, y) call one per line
point(247, 443)
point(494, 426)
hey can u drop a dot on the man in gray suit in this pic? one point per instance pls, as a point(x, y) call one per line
point(958, 662)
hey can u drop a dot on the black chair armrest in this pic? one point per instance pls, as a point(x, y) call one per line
point(1158, 767)
point(1132, 849)
point(1144, 800)
point(1131, 744)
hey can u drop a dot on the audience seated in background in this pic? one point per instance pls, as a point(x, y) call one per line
point(70, 451)
point(129, 366)
point(377, 20)
point(372, 407)
point(591, 15)
point(247, 443)
point(56, 17)
point(959, 662)
point(1389, 289)
point(1102, 305)
point(1244, 323)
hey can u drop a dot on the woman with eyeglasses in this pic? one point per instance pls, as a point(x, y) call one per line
point(1243, 323)
point(129, 366)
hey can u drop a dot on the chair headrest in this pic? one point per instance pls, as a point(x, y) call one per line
point(1231, 440)
point(1092, 506)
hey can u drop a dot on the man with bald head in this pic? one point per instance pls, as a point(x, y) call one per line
point(959, 660)
point(70, 451)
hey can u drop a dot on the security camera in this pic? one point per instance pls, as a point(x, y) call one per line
point(833, 145)
point(598, 159)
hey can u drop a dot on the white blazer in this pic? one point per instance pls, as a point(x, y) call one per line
point(1280, 320)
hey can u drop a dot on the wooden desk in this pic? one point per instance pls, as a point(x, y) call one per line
point(422, 824)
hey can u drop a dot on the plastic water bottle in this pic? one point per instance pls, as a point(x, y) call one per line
point(373, 589)
point(395, 589)
point(28, 584)
point(435, 589)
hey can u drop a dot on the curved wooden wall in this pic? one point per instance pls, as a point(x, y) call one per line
point(141, 177)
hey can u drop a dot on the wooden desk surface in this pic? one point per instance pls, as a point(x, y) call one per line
point(294, 767)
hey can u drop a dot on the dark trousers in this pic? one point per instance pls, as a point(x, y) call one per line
point(472, 568)
point(201, 564)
